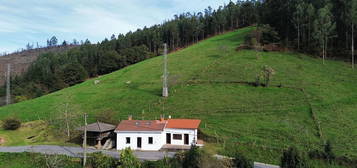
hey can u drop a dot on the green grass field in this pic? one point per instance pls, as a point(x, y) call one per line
point(307, 103)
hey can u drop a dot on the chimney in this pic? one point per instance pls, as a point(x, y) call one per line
point(130, 117)
point(162, 118)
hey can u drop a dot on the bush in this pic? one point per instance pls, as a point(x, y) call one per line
point(100, 160)
point(20, 99)
point(242, 162)
point(11, 124)
point(329, 154)
point(264, 76)
point(292, 158)
point(128, 160)
point(192, 158)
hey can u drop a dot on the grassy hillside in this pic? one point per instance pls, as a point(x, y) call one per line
point(307, 103)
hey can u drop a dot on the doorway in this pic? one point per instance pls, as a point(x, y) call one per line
point(139, 142)
point(168, 138)
point(186, 139)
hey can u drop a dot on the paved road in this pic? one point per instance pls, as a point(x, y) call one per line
point(263, 165)
point(78, 151)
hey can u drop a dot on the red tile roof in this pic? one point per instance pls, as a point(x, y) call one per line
point(141, 125)
point(183, 123)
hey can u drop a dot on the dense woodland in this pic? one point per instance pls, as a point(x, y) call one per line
point(321, 27)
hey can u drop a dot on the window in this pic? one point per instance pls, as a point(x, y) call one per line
point(177, 136)
point(127, 140)
point(151, 141)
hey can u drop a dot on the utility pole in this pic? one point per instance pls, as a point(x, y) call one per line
point(165, 90)
point(8, 95)
point(85, 141)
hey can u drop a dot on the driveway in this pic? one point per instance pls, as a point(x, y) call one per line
point(78, 151)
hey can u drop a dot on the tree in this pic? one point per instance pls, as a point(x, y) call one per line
point(68, 117)
point(113, 37)
point(292, 158)
point(353, 23)
point(324, 27)
point(53, 41)
point(29, 46)
point(64, 43)
point(128, 160)
point(298, 19)
point(310, 10)
point(108, 62)
point(73, 73)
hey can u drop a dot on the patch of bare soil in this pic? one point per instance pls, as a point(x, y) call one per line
point(2, 140)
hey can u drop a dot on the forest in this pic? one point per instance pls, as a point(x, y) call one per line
point(323, 28)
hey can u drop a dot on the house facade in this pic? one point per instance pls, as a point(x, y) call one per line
point(153, 135)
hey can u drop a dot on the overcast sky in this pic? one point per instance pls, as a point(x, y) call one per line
point(23, 21)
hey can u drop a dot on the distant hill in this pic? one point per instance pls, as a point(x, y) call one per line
point(20, 61)
point(306, 104)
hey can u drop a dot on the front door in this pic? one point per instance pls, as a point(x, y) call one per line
point(168, 138)
point(139, 142)
point(186, 139)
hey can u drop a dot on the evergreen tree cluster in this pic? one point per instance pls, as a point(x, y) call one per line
point(315, 26)
point(54, 71)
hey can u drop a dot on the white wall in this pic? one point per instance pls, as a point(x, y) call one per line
point(159, 139)
point(192, 134)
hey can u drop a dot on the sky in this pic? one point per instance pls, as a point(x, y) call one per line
point(32, 21)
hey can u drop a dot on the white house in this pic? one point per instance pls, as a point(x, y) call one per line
point(153, 135)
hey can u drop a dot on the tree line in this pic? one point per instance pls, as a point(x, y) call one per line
point(54, 71)
point(320, 27)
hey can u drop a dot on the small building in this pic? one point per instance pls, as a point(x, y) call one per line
point(153, 135)
point(101, 135)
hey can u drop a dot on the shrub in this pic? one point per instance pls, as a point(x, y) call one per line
point(192, 158)
point(100, 160)
point(128, 160)
point(11, 124)
point(292, 158)
point(329, 154)
point(264, 76)
point(241, 161)
point(20, 98)
point(164, 163)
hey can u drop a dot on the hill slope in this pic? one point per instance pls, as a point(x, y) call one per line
point(307, 103)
